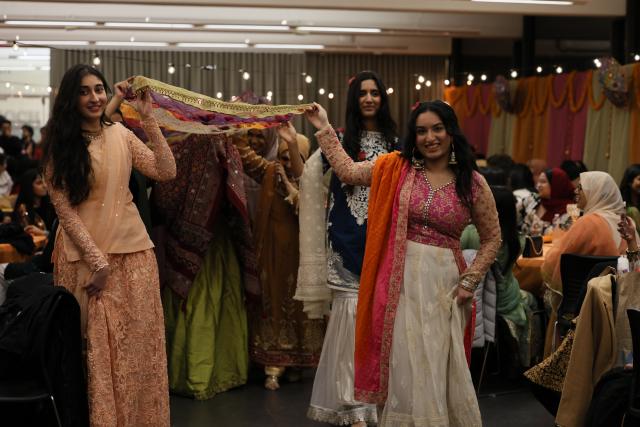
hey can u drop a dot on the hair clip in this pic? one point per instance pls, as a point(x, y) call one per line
point(416, 105)
point(351, 79)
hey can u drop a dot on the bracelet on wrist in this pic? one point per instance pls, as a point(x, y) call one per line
point(467, 286)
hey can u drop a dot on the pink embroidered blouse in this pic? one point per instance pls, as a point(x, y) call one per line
point(437, 216)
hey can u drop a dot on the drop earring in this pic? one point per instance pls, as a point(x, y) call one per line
point(452, 156)
point(416, 163)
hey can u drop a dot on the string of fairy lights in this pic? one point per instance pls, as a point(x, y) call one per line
point(420, 83)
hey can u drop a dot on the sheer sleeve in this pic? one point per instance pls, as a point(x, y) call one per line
point(74, 227)
point(348, 171)
point(155, 161)
point(254, 164)
point(485, 217)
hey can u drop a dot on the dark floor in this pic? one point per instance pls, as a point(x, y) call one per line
point(502, 403)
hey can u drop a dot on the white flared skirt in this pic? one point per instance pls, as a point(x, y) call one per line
point(429, 380)
point(332, 397)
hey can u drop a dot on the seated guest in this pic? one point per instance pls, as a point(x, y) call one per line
point(595, 233)
point(556, 192)
point(527, 199)
point(495, 176)
point(630, 189)
point(510, 302)
point(537, 166)
point(6, 183)
point(33, 209)
point(573, 168)
point(501, 161)
point(28, 144)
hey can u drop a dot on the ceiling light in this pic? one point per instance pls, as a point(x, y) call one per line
point(48, 89)
point(447, 82)
point(15, 46)
point(428, 83)
point(538, 69)
point(214, 45)
point(636, 57)
point(132, 39)
point(300, 97)
point(55, 43)
point(470, 77)
point(418, 86)
point(389, 91)
point(133, 44)
point(171, 69)
point(35, 58)
point(219, 95)
point(96, 59)
point(7, 85)
point(597, 62)
point(146, 19)
point(542, 2)
point(283, 22)
point(514, 74)
point(339, 29)
point(288, 46)
point(308, 79)
point(330, 96)
point(421, 79)
point(469, 82)
point(321, 91)
point(242, 27)
point(53, 23)
point(246, 75)
point(559, 69)
point(483, 77)
point(27, 87)
point(147, 25)
point(269, 94)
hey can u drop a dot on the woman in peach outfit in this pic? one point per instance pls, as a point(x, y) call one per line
point(103, 254)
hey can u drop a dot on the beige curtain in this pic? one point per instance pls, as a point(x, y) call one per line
point(281, 73)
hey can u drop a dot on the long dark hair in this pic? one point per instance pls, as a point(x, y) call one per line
point(521, 177)
point(65, 149)
point(26, 197)
point(506, 206)
point(625, 185)
point(465, 160)
point(354, 124)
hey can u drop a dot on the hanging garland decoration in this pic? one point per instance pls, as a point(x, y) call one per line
point(611, 76)
point(575, 106)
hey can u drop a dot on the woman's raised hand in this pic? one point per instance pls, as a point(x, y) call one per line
point(287, 132)
point(627, 230)
point(144, 104)
point(121, 88)
point(317, 116)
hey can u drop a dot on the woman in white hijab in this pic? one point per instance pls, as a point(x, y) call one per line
point(596, 232)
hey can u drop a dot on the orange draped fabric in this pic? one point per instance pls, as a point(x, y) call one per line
point(531, 130)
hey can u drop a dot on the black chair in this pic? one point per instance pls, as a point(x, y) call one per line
point(632, 417)
point(40, 356)
point(575, 272)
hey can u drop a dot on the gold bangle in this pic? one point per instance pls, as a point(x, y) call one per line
point(467, 287)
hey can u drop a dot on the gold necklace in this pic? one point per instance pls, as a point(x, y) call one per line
point(92, 135)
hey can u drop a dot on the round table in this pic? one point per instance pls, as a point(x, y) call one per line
point(8, 253)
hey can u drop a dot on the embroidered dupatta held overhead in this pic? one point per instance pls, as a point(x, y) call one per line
point(399, 201)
